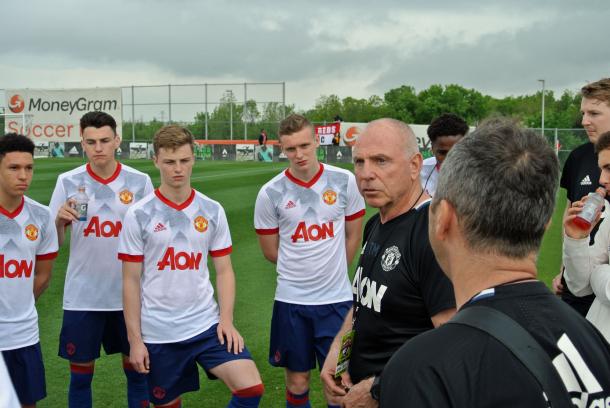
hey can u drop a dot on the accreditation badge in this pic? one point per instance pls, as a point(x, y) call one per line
point(344, 353)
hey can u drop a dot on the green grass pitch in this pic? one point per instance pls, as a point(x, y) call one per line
point(235, 185)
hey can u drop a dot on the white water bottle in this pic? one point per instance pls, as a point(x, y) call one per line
point(82, 202)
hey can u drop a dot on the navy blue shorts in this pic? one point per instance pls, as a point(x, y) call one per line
point(173, 366)
point(26, 370)
point(83, 332)
point(302, 334)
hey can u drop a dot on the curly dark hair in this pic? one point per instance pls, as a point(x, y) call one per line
point(448, 124)
point(12, 142)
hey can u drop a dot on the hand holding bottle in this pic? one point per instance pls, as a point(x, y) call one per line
point(583, 215)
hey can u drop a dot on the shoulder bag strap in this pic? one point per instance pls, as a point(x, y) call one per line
point(522, 345)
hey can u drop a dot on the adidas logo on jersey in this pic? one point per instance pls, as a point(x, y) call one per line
point(290, 205)
point(571, 367)
point(586, 181)
point(160, 227)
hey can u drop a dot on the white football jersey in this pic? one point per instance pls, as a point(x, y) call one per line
point(173, 241)
point(26, 235)
point(94, 279)
point(8, 396)
point(310, 220)
point(428, 176)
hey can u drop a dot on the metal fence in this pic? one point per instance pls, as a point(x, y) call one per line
point(211, 111)
point(563, 140)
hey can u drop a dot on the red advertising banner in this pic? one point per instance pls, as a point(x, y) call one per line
point(329, 134)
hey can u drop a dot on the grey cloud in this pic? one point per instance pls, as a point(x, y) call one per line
point(565, 51)
point(270, 40)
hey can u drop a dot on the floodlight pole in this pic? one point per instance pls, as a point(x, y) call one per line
point(543, 83)
point(230, 95)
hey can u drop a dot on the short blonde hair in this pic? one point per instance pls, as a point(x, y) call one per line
point(599, 90)
point(172, 137)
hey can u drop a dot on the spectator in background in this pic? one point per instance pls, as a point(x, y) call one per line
point(444, 131)
point(262, 138)
point(580, 174)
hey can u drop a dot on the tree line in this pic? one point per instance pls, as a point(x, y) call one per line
point(402, 103)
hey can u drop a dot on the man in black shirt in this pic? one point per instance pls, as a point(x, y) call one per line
point(399, 289)
point(580, 174)
point(493, 202)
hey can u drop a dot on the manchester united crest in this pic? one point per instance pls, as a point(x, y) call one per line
point(201, 224)
point(330, 197)
point(126, 196)
point(31, 232)
point(390, 258)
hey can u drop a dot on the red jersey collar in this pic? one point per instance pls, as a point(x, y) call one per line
point(101, 180)
point(14, 213)
point(175, 206)
point(308, 184)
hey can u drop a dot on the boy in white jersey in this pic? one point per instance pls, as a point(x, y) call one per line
point(93, 307)
point(28, 246)
point(173, 321)
point(308, 220)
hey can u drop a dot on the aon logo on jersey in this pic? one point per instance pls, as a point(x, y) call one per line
point(106, 229)
point(13, 268)
point(179, 260)
point(313, 232)
point(366, 291)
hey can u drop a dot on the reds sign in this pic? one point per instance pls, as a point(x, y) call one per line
point(55, 114)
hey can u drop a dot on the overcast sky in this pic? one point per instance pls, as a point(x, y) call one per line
point(348, 48)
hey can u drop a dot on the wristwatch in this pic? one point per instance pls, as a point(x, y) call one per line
point(375, 387)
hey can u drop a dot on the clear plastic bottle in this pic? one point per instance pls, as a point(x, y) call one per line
point(593, 204)
point(82, 202)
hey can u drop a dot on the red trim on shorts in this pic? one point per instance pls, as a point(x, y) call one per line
point(221, 252)
point(110, 179)
point(81, 369)
point(254, 391)
point(267, 231)
point(46, 257)
point(127, 366)
point(301, 182)
point(172, 204)
point(290, 397)
point(176, 404)
point(14, 213)
point(355, 216)
point(131, 258)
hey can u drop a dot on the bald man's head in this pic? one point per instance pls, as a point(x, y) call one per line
point(398, 134)
point(387, 163)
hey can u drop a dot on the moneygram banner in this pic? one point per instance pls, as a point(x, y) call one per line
point(54, 115)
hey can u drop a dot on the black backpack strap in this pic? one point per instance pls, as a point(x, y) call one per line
point(522, 345)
